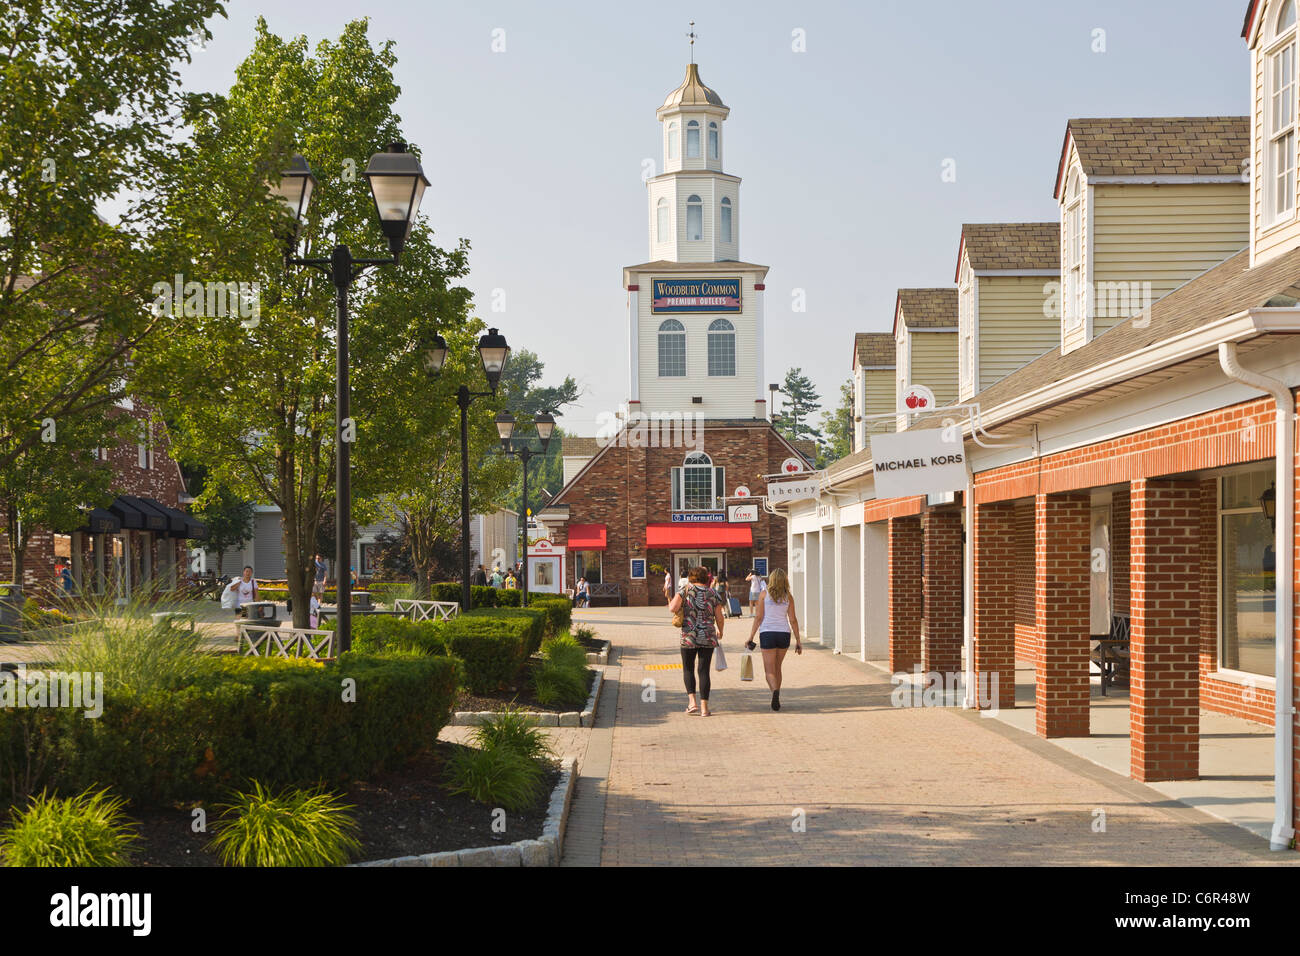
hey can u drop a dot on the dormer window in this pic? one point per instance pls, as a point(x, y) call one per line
point(693, 139)
point(1074, 300)
point(694, 217)
point(1280, 118)
point(724, 220)
point(672, 140)
point(661, 220)
point(713, 141)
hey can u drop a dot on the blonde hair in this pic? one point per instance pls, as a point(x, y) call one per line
point(778, 586)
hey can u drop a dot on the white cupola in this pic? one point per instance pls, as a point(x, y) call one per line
point(694, 205)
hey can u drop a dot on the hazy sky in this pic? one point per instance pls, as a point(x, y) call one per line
point(535, 153)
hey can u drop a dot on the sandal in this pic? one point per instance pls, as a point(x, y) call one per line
point(692, 710)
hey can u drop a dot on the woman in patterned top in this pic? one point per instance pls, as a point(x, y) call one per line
point(702, 623)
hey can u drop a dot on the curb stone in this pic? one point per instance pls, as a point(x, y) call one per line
point(545, 851)
point(599, 657)
point(543, 718)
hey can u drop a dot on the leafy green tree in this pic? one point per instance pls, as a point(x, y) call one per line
point(801, 402)
point(254, 400)
point(837, 428)
point(229, 517)
point(91, 105)
point(523, 396)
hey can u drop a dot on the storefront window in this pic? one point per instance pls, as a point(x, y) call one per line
point(1248, 576)
point(588, 566)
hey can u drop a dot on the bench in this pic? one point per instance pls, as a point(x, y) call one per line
point(605, 592)
point(169, 620)
point(427, 610)
point(258, 640)
point(1111, 654)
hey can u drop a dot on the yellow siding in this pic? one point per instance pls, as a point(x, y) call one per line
point(879, 394)
point(1162, 236)
point(934, 363)
point(1013, 329)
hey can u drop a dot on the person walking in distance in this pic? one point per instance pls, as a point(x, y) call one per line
point(702, 623)
point(774, 623)
point(756, 586)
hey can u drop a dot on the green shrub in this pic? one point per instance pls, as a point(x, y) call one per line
point(292, 828)
point(390, 591)
point(134, 656)
point(445, 591)
point(512, 730)
point(383, 632)
point(496, 776)
point(283, 722)
point(86, 830)
point(559, 685)
point(584, 633)
point(508, 598)
point(535, 618)
point(565, 651)
point(559, 611)
point(480, 595)
point(493, 645)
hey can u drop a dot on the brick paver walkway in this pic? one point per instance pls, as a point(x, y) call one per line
point(872, 783)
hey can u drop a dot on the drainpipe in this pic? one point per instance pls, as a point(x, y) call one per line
point(1283, 549)
point(968, 595)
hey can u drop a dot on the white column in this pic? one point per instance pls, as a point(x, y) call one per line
point(861, 585)
point(634, 344)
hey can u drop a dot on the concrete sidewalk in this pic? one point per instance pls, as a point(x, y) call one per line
point(840, 776)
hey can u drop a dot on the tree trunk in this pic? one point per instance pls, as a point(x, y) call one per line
point(297, 570)
point(17, 545)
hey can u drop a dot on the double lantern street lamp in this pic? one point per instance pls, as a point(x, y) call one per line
point(493, 352)
point(521, 449)
point(397, 184)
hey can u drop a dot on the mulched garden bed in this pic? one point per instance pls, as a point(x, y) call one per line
point(520, 695)
point(404, 812)
point(591, 643)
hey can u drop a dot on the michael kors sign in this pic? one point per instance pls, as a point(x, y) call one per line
point(924, 461)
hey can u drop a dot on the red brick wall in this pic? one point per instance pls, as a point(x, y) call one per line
point(905, 547)
point(942, 592)
point(996, 584)
point(1026, 622)
point(1164, 651)
point(1119, 550)
point(626, 488)
point(1061, 597)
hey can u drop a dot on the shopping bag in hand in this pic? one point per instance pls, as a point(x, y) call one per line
point(719, 659)
point(746, 666)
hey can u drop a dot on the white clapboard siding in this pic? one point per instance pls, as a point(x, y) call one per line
point(1014, 327)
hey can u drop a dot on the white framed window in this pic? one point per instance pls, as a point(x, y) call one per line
point(661, 220)
point(1280, 117)
point(672, 140)
point(724, 220)
point(672, 349)
point(713, 140)
point(1074, 295)
point(693, 139)
point(722, 348)
point(1247, 574)
point(698, 484)
point(694, 217)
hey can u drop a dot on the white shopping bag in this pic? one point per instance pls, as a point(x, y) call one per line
point(746, 666)
point(228, 598)
point(719, 659)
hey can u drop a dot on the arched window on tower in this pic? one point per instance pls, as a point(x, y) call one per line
point(698, 484)
point(693, 139)
point(724, 221)
point(722, 348)
point(672, 349)
point(661, 220)
point(694, 217)
point(713, 140)
point(672, 140)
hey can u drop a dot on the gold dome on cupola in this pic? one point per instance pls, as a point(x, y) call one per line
point(693, 94)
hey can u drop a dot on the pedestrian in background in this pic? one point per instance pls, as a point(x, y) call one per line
point(702, 623)
point(756, 588)
point(774, 623)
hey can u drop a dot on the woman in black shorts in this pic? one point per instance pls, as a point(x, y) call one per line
point(702, 622)
point(774, 623)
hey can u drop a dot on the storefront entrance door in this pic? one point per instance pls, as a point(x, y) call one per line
point(683, 561)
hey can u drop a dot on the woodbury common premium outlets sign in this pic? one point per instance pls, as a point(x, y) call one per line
point(696, 295)
point(923, 462)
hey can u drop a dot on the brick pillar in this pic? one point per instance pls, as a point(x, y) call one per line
point(1164, 696)
point(995, 603)
point(905, 543)
point(1061, 611)
point(941, 621)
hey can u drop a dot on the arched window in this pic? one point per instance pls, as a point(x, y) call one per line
point(724, 220)
point(672, 349)
point(722, 347)
point(661, 220)
point(1280, 116)
point(672, 140)
point(694, 218)
point(713, 141)
point(698, 484)
point(693, 139)
point(1074, 299)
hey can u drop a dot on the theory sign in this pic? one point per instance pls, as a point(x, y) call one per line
point(792, 490)
point(918, 462)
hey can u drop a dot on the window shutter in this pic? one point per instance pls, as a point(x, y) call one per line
point(677, 489)
point(719, 484)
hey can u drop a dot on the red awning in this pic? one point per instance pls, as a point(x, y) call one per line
point(703, 535)
point(586, 537)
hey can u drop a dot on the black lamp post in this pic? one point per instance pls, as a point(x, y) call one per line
point(493, 352)
point(1268, 504)
point(524, 451)
point(397, 184)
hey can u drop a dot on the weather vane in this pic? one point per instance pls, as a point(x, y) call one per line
point(692, 35)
